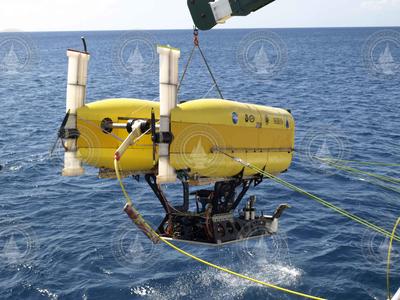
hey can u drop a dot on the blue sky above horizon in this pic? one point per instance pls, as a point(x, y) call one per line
point(60, 15)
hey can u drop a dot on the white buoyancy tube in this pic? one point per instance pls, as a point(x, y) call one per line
point(169, 70)
point(76, 95)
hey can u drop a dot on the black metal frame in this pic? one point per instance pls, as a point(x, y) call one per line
point(214, 222)
point(151, 180)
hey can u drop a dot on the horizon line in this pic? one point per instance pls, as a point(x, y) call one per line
point(14, 30)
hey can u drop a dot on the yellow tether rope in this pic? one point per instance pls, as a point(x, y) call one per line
point(366, 163)
point(316, 198)
point(129, 201)
point(333, 163)
point(388, 259)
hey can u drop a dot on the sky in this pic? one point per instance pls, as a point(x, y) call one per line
point(66, 15)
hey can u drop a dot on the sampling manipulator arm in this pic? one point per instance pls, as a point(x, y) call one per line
point(206, 13)
point(137, 129)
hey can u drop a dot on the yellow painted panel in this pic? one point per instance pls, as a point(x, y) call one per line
point(261, 135)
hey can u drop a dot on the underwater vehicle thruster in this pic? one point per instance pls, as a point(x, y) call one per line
point(168, 142)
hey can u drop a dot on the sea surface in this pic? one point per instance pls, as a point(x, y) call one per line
point(67, 238)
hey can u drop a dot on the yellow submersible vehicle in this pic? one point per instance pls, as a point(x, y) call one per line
point(168, 142)
point(191, 143)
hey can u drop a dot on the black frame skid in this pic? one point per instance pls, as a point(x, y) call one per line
point(214, 221)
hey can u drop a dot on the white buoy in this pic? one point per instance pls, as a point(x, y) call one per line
point(76, 95)
point(169, 69)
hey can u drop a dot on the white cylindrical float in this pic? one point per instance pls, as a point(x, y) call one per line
point(76, 95)
point(169, 71)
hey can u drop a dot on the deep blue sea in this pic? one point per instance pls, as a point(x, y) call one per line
point(67, 238)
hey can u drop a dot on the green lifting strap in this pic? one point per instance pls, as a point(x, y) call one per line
point(203, 16)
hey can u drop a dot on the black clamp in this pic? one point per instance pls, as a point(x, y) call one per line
point(163, 138)
point(144, 127)
point(64, 133)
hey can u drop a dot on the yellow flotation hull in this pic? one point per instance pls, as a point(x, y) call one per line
point(97, 148)
point(201, 129)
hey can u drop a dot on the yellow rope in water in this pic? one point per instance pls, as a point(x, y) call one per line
point(348, 169)
point(314, 197)
point(388, 259)
point(386, 187)
point(331, 206)
point(366, 163)
point(129, 201)
point(238, 274)
point(354, 170)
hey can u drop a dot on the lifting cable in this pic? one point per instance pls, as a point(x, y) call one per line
point(314, 197)
point(197, 46)
point(155, 237)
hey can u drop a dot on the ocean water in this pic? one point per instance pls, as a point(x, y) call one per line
point(67, 238)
